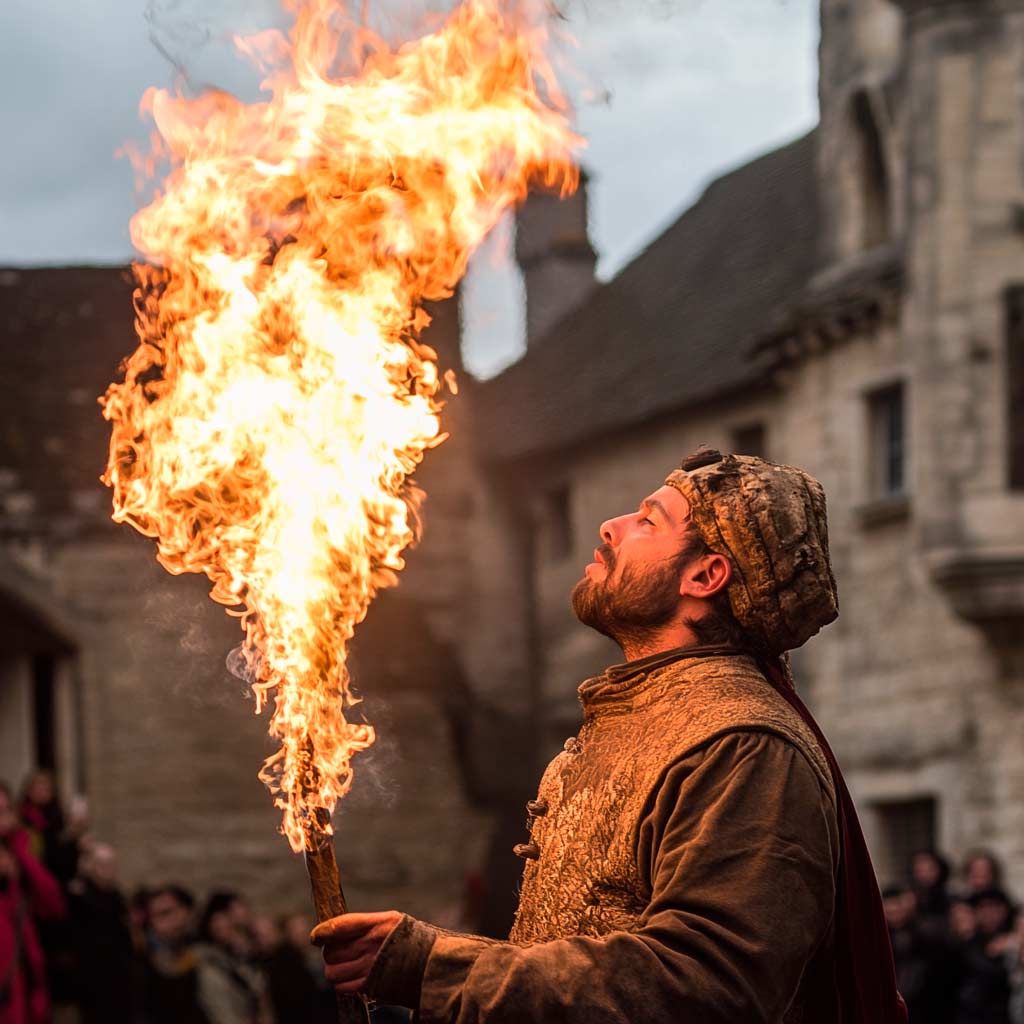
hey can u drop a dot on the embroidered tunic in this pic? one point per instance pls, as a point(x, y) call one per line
point(682, 868)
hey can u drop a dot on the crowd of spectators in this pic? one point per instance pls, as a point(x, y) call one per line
point(75, 950)
point(958, 942)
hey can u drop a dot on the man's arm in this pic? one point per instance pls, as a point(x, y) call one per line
point(739, 848)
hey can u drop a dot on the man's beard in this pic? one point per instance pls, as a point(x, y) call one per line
point(633, 607)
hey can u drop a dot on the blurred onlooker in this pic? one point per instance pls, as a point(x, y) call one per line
point(961, 921)
point(27, 892)
point(231, 988)
point(929, 878)
point(266, 935)
point(138, 920)
point(61, 837)
point(922, 959)
point(291, 970)
point(982, 871)
point(985, 987)
point(104, 974)
point(1015, 968)
point(170, 981)
point(40, 811)
point(59, 840)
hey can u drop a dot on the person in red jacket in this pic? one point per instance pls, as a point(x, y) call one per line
point(27, 892)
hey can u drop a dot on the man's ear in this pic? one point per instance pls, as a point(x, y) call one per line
point(706, 576)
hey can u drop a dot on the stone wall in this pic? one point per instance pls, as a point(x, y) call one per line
point(923, 698)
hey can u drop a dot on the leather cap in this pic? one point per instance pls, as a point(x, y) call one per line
point(770, 521)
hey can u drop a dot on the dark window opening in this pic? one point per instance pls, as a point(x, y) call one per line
point(44, 711)
point(750, 440)
point(1015, 385)
point(888, 453)
point(558, 522)
point(874, 174)
point(904, 826)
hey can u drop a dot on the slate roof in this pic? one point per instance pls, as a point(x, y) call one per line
point(63, 332)
point(677, 326)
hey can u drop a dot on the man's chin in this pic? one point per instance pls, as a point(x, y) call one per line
point(585, 604)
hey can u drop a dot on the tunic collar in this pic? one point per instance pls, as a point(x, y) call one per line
point(619, 683)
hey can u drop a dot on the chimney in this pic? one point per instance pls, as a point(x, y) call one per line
point(555, 255)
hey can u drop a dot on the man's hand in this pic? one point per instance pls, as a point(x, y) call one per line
point(351, 944)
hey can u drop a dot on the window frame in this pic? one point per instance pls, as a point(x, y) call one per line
point(888, 426)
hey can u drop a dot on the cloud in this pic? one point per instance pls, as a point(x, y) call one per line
point(682, 89)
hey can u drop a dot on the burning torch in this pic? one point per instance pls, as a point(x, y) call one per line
point(267, 425)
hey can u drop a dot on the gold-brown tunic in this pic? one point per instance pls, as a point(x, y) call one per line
point(686, 847)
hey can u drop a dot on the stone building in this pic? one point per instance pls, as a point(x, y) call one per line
point(112, 672)
point(852, 303)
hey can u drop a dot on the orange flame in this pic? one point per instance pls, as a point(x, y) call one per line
point(279, 399)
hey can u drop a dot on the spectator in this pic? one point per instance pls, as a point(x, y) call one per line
point(929, 877)
point(921, 957)
point(170, 986)
point(982, 870)
point(231, 989)
point(27, 892)
point(41, 812)
point(1015, 968)
point(985, 988)
point(292, 970)
point(104, 981)
point(961, 921)
point(138, 921)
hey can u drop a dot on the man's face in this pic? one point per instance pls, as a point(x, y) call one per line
point(899, 909)
point(100, 866)
point(926, 870)
point(632, 586)
point(992, 916)
point(169, 918)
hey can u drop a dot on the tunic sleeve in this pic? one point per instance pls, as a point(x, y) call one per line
point(738, 849)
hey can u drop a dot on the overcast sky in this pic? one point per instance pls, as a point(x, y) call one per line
point(688, 88)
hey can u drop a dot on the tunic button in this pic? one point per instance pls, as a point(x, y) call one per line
point(572, 745)
point(537, 808)
point(528, 851)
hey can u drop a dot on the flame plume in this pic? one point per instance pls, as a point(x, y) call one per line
point(279, 399)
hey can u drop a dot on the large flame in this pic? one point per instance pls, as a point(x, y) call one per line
point(279, 399)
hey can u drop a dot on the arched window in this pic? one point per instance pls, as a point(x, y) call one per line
point(873, 173)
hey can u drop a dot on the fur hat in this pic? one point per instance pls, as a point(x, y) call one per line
point(770, 522)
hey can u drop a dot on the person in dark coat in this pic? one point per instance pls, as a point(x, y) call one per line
point(985, 986)
point(104, 970)
point(296, 992)
point(170, 982)
point(231, 988)
point(929, 879)
point(923, 960)
point(982, 871)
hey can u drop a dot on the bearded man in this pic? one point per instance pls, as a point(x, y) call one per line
point(694, 855)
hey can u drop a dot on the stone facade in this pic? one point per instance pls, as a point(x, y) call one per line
point(842, 305)
point(113, 672)
point(892, 359)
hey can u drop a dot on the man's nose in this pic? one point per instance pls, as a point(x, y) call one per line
point(611, 529)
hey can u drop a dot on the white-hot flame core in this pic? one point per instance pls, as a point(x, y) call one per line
point(279, 399)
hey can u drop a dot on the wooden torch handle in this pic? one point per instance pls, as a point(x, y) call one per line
point(329, 901)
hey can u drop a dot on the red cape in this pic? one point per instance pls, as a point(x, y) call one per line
point(865, 975)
